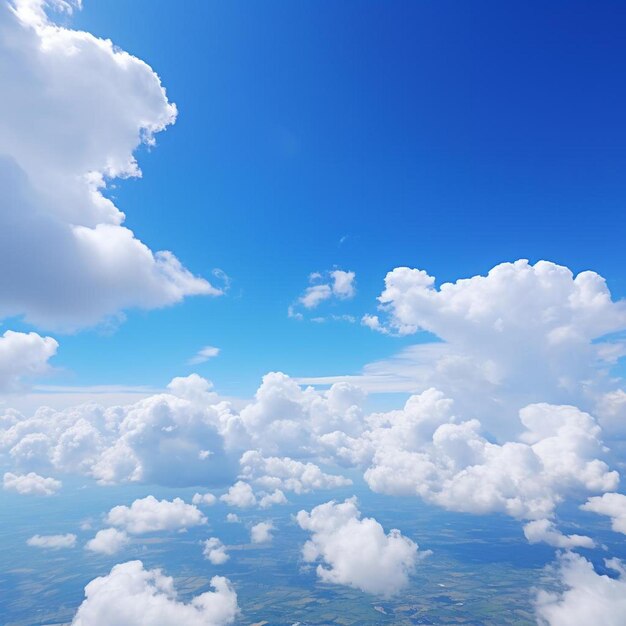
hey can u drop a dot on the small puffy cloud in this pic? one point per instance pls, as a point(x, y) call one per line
point(240, 495)
point(215, 551)
point(544, 531)
point(232, 518)
point(586, 598)
point(337, 284)
point(262, 532)
point(612, 505)
point(108, 541)
point(52, 542)
point(286, 473)
point(206, 353)
point(357, 552)
point(72, 261)
point(134, 596)
point(206, 499)
point(270, 499)
point(23, 355)
point(148, 515)
point(30, 484)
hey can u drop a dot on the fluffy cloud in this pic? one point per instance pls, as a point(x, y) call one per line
point(262, 532)
point(240, 495)
point(270, 499)
point(355, 551)
point(612, 505)
point(286, 473)
point(587, 598)
point(148, 515)
point(521, 334)
point(30, 484)
point(52, 542)
point(215, 551)
point(23, 355)
point(108, 541)
point(72, 261)
point(134, 596)
point(170, 438)
point(544, 531)
point(208, 499)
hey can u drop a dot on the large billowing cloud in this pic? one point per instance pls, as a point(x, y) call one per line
point(133, 596)
point(165, 439)
point(587, 598)
point(74, 109)
point(519, 335)
point(356, 551)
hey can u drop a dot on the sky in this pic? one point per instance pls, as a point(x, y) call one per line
point(275, 249)
point(446, 136)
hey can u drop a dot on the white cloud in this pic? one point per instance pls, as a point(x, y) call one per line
point(23, 355)
point(232, 518)
point(52, 542)
point(337, 284)
point(167, 438)
point(134, 596)
point(544, 531)
point(587, 598)
point(355, 551)
point(108, 541)
point(30, 484)
point(72, 261)
point(207, 499)
point(215, 551)
point(206, 353)
point(270, 499)
point(425, 450)
point(262, 532)
point(286, 473)
point(612, 505)
point(148, 514)
point(240, 495)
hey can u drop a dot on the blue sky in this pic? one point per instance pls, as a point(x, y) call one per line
point(448, 136)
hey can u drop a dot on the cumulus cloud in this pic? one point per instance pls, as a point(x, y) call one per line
point(270, 499)
point(240, 495)
point(30, 484)
point(108, 541)
point(426, 450)
point(169, 438)
point(134, 596)
point(586, 598)
point(215, 551)
point(544, 531)
point(23, 355)
point(148, 515)
point(72, 261)
point(612, 505)
point(521, 334)
point(207, 499)
point(286, 473)
point(262, 532)
point(232, 518)
point(52, 542)
point(357, 552)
